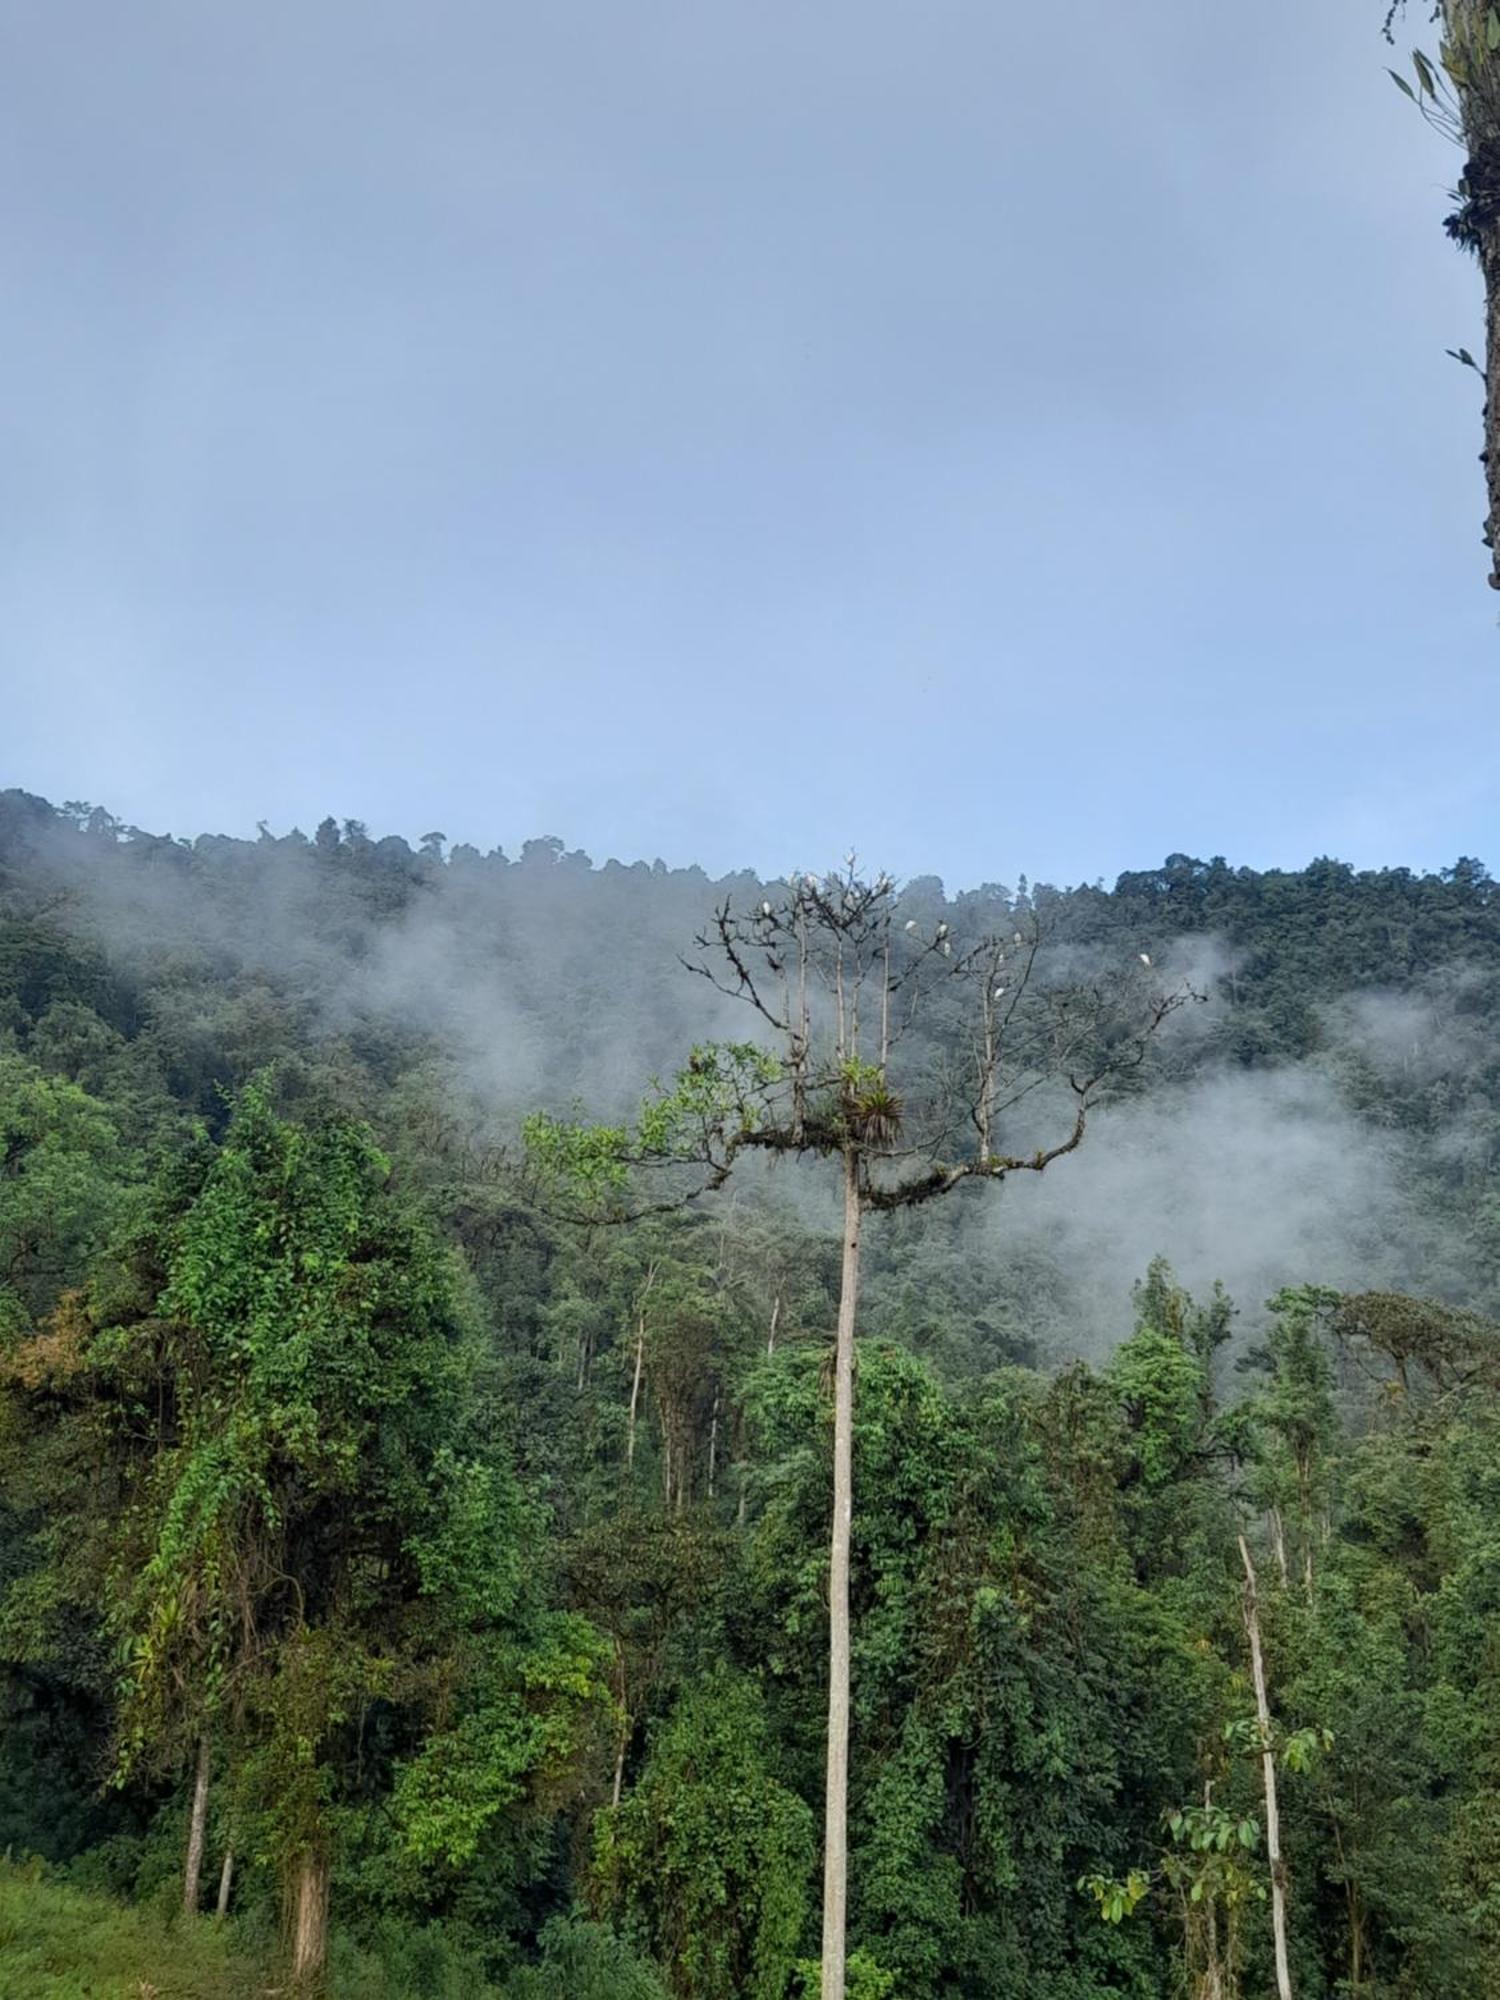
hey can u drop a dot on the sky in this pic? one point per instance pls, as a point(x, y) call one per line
point(1009, 441)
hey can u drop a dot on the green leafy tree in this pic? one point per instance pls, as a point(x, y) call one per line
point(1294, 1413)
point(316, 1534)
point(583, 1961)
point(63, 1178)
point(708, 1860)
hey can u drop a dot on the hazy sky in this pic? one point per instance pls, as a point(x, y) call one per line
point(1007, 439)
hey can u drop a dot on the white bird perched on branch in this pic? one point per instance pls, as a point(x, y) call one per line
point(1145, 958)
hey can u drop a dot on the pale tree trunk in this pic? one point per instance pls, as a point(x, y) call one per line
point(226, 1883)
point(635, 1392)
point(713, 1449)
point(1268, 1772)
point(1213, 1977)
point(985, 1115)
point(640, 1363)
point(309, 1920)
point(1304, 1498)
point(618, 1787)
point(836, 1810)
point(775, 1317)
point(192, 1871)
point(1278, 1542)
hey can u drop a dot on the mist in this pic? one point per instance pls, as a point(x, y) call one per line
point(1255, 1180)
point(550, 983)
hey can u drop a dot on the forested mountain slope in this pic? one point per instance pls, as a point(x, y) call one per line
point(466, 1566)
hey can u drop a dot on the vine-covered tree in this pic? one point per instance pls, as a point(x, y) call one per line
point(708, 1859)
point(312, 1529)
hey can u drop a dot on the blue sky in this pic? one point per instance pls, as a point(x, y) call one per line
point(728, 431)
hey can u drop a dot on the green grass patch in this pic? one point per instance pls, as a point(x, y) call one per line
point(62, 1943)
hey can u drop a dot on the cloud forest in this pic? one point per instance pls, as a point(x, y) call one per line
point(580, 1431)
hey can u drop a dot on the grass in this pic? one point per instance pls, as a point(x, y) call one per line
point(62, 1943)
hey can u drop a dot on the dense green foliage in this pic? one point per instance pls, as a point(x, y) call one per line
point(487, 1552)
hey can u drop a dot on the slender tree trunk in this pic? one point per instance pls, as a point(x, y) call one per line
point(226, 1883)
point(802, 1040)
point(1304, 1495)
point(1208, 1984)
point(985, 1116)
point(885, 1005)
point(1213, 1977)
point(1268, 1772)
point(617, 1789)
point(635, 1391)
point(836, 1811)
point(192, 1871)
point(840, 1016)
point(775, 1316)
point(640, 1362)
point(309, 1920)
point(1278, 1541)
point(713, 1449)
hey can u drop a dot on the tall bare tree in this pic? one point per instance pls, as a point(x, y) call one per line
point(915, 1061)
